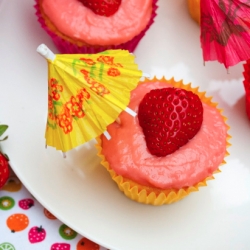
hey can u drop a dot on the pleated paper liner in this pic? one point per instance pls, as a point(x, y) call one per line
point(68, 45)
point(156, 196)
point(194, 9)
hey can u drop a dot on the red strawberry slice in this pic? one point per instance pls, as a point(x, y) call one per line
point(4, 170)
point(102, 7)
point(60, 246)
point(37, 234)
point(26, 203)
point(169, 117)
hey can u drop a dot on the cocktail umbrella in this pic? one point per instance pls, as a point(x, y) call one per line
point(86, 93)
point(225, 31)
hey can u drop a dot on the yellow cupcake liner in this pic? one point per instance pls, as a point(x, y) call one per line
point(194, 9)
point(156, 196)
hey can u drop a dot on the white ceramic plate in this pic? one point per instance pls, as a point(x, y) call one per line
point(77, 189)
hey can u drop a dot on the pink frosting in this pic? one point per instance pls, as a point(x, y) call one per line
point(128, 156)
point(73, 19)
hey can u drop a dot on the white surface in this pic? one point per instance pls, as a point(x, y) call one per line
point(77, 189)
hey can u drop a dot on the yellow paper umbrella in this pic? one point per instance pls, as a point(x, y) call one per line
point(86, 92)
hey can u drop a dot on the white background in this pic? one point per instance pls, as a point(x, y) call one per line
point(78, 190)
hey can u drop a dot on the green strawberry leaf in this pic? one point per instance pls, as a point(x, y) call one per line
point(5, 138)
point(6, 157)
point(3, 128)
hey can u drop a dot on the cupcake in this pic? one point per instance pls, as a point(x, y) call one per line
point(172, 147)
point(194, 9)
point(80, 26)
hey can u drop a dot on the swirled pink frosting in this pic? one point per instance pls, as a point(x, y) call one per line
point(128, 156)
point(75, 20)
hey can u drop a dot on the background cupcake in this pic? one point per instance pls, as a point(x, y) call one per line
point(194, 9)
point(78, 27)
point(152, 179)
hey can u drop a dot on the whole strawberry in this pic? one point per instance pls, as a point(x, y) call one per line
point(4, 165)
point(60, 246)
point(102, 7)
point(37, 234)
point(169, 117)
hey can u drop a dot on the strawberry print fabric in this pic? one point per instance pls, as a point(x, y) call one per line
point(25, 224)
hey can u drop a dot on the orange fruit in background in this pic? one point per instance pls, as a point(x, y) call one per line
point(48, 214)
point(17, 222)
point(12, 185)
point(86, 244)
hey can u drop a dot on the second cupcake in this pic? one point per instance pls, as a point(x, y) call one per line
point(79, 26)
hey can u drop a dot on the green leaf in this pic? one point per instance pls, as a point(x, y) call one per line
point(6, 156)
point(3, 128)
point(5, 138)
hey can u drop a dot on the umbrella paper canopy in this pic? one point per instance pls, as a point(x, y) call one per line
point(86, 93)
point(225, 30)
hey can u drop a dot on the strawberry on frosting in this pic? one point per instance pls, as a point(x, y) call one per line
point(102, 7)
point(129, 156)
point(169, 117)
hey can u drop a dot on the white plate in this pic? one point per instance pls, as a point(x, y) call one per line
point(77, 189)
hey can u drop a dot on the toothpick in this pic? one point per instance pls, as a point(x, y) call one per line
point(131, 112)
point(107, 135)
point(44, 51)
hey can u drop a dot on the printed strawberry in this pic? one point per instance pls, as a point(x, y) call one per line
point(37, 234)
point(169, 117)
point(60, 246)
point(102, 7)
point(4, 165)
point(26, 203)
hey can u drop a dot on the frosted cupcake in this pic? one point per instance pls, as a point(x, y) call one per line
point(155, 165)
point(77, 26)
